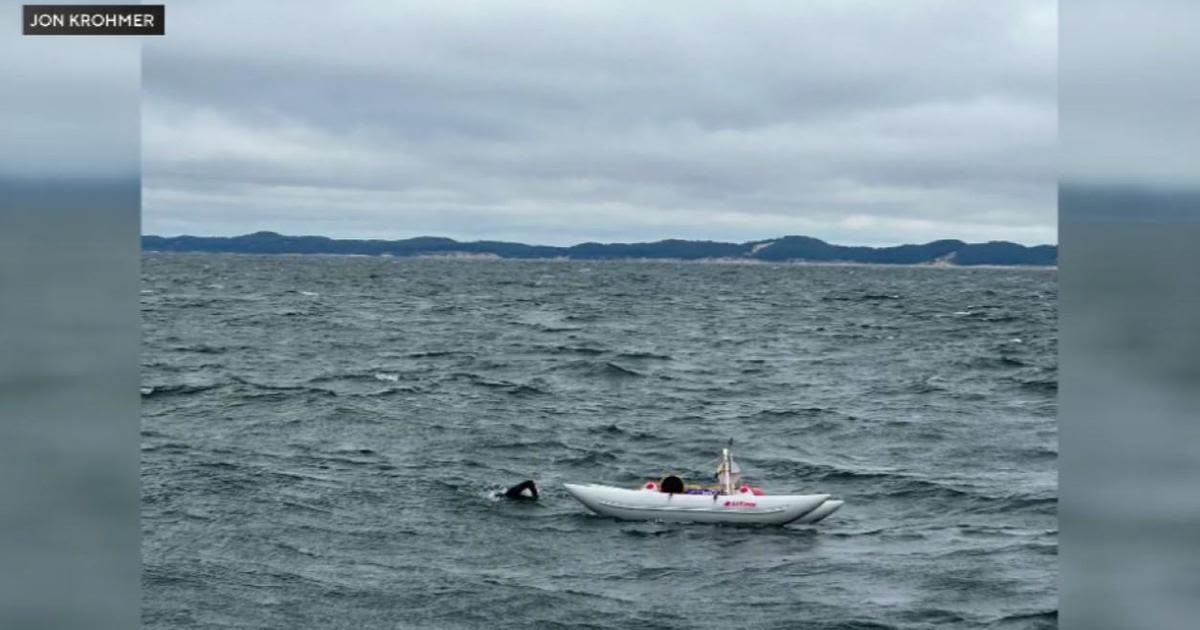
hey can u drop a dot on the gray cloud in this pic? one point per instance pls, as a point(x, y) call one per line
point(857, 123)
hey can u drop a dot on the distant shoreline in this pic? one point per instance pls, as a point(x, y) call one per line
point(786, 249)
point(688, 261)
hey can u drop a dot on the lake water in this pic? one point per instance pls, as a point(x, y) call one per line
point(323, 437)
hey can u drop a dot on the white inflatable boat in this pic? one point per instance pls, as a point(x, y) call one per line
point(743, 507)
point(671, 501)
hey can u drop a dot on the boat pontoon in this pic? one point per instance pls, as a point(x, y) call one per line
point(729, 502)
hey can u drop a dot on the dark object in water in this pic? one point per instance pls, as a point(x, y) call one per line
point(518, 491)
point(671, 484)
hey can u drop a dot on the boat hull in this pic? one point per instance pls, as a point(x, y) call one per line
point(819, 514)
point(743, 508)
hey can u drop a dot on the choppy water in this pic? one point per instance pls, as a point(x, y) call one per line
point(322, 437)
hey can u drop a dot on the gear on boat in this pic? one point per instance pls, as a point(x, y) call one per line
point(671, 485)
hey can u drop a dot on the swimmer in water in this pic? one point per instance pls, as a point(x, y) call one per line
point(524, 490)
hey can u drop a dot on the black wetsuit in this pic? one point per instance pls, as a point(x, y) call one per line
point(516, 491)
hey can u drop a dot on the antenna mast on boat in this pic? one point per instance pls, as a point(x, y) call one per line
point(727, 469)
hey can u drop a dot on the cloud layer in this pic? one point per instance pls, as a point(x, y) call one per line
point(564, 122)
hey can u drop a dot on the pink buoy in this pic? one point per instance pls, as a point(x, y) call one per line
point(650, 485)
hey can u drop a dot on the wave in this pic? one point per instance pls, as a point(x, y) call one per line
point(588, 458)
point(1039, 619)
point(556, 329)
point(598, 369)
point(613, 430)
point(1040, 385)
point(579, 350)
point(203, 348)
point(536, 446)
point(166, 366)
point(167, 446)
point(997, 505)
point(328, 384)
point(864, 297)
point(852, 624)
point(1039, 453)
point(799, 412)
point(547, 327)
point(644, 355)
point(361, 450)
point(476, 379)
point(159, 391)
point(362, 376)
point(650, 533)
point(390, 391)
point(917, 385)
point(1001, 362)
point(884, 484)
point(432, 354)
point(804, 419)
point(273, 389)
point(526, 389)
point(536, 387)
point(617, 370)
point(290, 548)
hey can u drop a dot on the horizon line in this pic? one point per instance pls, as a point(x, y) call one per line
point(586, 242)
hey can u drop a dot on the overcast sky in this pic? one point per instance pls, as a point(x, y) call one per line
point(555, 123)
